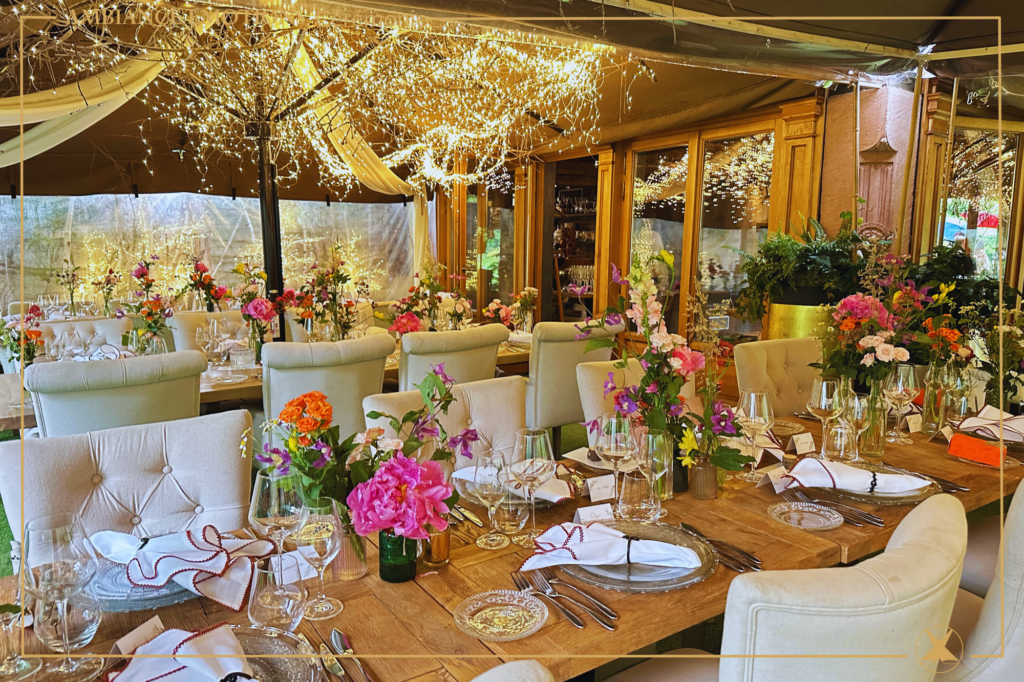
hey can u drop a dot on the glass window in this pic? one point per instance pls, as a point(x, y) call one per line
point(973, 208)
point(472, 263)
point(490, 242)
point(659, 206)
point(734, 212)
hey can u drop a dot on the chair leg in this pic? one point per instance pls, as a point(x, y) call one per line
point(556, 441)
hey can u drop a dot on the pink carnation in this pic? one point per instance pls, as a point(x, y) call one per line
point(691, 360)
point(403, 496)
point(201, 267)
point(405, 323)
point(259, 309)
point(863, 307)
point(140, 271)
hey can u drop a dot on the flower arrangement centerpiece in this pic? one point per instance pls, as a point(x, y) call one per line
point(522, 307)
point(152, 308)
point(328, 297)
point(428, 284)
point(405, 323)
point(105, 286)
point(67, 277)
point(21, 337)
point(200, 282)
point(496, 311)
point(258, 310)
point(461, 313)
point(1004, 361)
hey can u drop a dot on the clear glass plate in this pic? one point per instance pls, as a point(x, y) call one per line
point(806, 516)
point(290, 667)
point(783, 428)
point(111, 588)
point(644, 578)
point(1008, 463)
point(228, 379)
point(909, 497)
point(501, 616)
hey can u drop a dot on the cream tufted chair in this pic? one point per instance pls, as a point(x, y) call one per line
point(15, 307)
point(881, 606)
point(468, 355)
point(145, 480)
point(516, 671)
point(979, 622)
point(345, 371)
point(493, 407)
point(79, 397)
point(552, 398)
point(781, 367)
point(184, 324)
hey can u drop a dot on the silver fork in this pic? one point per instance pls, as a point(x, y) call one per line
point(550, 576)
point(793, 496)
point(544, 586)
point(524, 586)
point(839, 506)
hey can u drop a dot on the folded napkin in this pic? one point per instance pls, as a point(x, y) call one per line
point(554, 489)
point(599, 545)
point(580, 455)
point(175, 657)
point(816, 473)
point(766, 444)
point(521, 338)
point(986, 425)
point(207, 563)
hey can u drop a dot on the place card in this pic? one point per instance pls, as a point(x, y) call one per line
point(137, 637)
point(914, 423)
point(601, 487)
point(947, 432)
point(802, 443)
point(305, 570)
point(975, 450)
point(773, 475)
point(597, 512)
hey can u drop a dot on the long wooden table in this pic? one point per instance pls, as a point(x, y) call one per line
point(511, 360)
point(414, 619)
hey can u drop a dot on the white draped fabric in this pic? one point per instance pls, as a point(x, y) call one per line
point(49, 134)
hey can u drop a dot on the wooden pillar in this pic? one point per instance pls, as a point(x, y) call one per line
point(457, 206)
point(610, 204)
point(796, 172)
point(445, 231)
point(521, 214)
point(930, 158)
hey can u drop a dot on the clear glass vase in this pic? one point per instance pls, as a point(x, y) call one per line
point(933, 415)
point(350, 564)
point(872, 439)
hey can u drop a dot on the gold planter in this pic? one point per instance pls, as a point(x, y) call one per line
point(794, 321)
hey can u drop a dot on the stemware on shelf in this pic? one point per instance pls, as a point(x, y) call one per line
point(57, 563)
point(278, 505)
point(276, 598)
point(755, 414)
point(532, 464)
point(615, 442)
point(826, 401)
point(487, 487)
point(319, 541)
point(900, 389)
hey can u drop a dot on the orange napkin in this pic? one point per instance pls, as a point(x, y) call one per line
point(975, 449)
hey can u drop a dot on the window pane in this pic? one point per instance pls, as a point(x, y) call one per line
point(472, 253)
point(497, 260)
point(734, 215)
point(973, 208)
point(659, 206)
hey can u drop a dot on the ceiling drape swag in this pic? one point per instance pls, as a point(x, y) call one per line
point(49, 134)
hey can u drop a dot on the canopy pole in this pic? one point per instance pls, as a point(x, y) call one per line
point(948, 165)
point(270, 219)
point(901, 216)
point(856, 151)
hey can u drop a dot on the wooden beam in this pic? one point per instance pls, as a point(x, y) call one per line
point(949, 160)
point(975, 52)
point(856, 152)
point(901, 216)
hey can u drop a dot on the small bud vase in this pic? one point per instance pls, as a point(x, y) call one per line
point(703, 479)
point(397, 557)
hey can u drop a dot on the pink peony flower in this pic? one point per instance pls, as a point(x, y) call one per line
point(863, 307)
point(692, 361)
point(403, 496)
point(405, 323)
point(260, 309)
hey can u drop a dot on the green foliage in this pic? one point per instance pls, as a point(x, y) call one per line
point(952, 265)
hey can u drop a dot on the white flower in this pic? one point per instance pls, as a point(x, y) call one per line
point(870, 341)
point(662, 342)
point(389, 444)
point(675, 363)
point(868, 360)
point(963, 351)
point(885, 352)
point(902, 354)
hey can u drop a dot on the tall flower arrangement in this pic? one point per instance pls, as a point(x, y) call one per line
point(258, 310)
point(153, 310)
point(67, 277)
point(327, 296)
point(201, 282)
point(522, 307)
point(461, 313)
point(22, 333)
point(105, 286)
point(496, 311)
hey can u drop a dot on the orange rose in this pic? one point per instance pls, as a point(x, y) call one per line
point(33, 334)
point(297, 402)
point(313, 396)
point(306, 314)
point(305, 441)
point(321, 410)
point(290, 414)
point(847, 325)
point(307, 424)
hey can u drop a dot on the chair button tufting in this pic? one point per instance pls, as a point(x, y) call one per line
point(97, 478)
point(199, 509)
point(785, 366)
point(469, 422)
point(136, 520)
point(799, 390)
point(167, 469)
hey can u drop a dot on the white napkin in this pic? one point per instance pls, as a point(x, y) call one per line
point(554, 489)
point(521, 338)
point(580, 455)
point(766, 444)
point(207, 563)
point(816, 473)
point(599, 545)
point(986, 425)
point(174, 659)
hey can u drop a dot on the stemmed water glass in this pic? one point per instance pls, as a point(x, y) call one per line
point(487, 487)
point(825, 402)
point(58, 562)
point(532, 464)
point(615, 442)
point(203, 340)
point(319, 542)
point(856, 416)
point(276, 599)
point(900, 389)
point(12, 665)
point(278, 506)
point(755, 414)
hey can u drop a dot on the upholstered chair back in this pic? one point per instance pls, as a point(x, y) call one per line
point(781, 367)
point(344, 371)
point(468, 355)
point(880, 607)
point(16, 307)
point(552, 398)
point(145, 480)
point(111, 329)
point(985, 658)
point(183, 326)
point(516, 671)
point(79, 397)
point(495, 408)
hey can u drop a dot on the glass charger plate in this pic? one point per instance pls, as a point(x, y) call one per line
point(116, 595)
point(806, 516)
point(644, 578)
point(501, 616)
point(910, 497)
point(278, 648)
point(1008, 462)
point(228, 379)
point(783, 428)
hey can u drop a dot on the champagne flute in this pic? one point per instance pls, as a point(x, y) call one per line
point(319, 542)
point(856, 417)
point(825, 402)
point(900, 389)
point(615, 442)
point(278, 506)
point(487, 487)
point(756, 416)
point(532, 465)
point(57, 563)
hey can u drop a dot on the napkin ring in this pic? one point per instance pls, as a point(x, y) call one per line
point(874, 481)
point(236, 677)
point(629, 543)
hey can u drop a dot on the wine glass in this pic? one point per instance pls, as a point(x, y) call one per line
point(639, 499)
point(856, 417)
point(278, 506)
point(81, 618)
point(58, 562)
point(487, 487)
point(658, 445)
point(12, 665)
point(319, 542)
point(532, 465)
point(276, 599)
point(615, 442)
point(825, 402)
point(203, 340)
point(900, 389)
point(756, 416)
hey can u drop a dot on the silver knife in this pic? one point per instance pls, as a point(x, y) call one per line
point(473, 518)
point(331, 663)
point(454, 513)
point(343, 648)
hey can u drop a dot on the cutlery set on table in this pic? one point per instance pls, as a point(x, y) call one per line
point(342, 647)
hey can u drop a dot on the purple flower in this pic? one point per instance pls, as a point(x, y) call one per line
point(153, 256)
point(886, 281)
point(592, 425)
point(445, 379)
point(169, 313)
point(609, 384)
point(325, 454)
point(723, 421)
point(584, 332)
point(675, 409)
point(579, 291)
point(424, 426)
point(653, 388)
point(613, 319)
point(907, 339)
point(462, 443)
point(617, 275)
point(274, 456)
point(624, 403)
point(120, 314)
point(646, 365)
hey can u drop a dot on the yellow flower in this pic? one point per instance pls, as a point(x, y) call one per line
point(686, 460)
point(667, 257)
point(263, 275)
point(293, 444)
point(896, 296)
point(240, 269)
point(944, 290)
point(688, 442)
